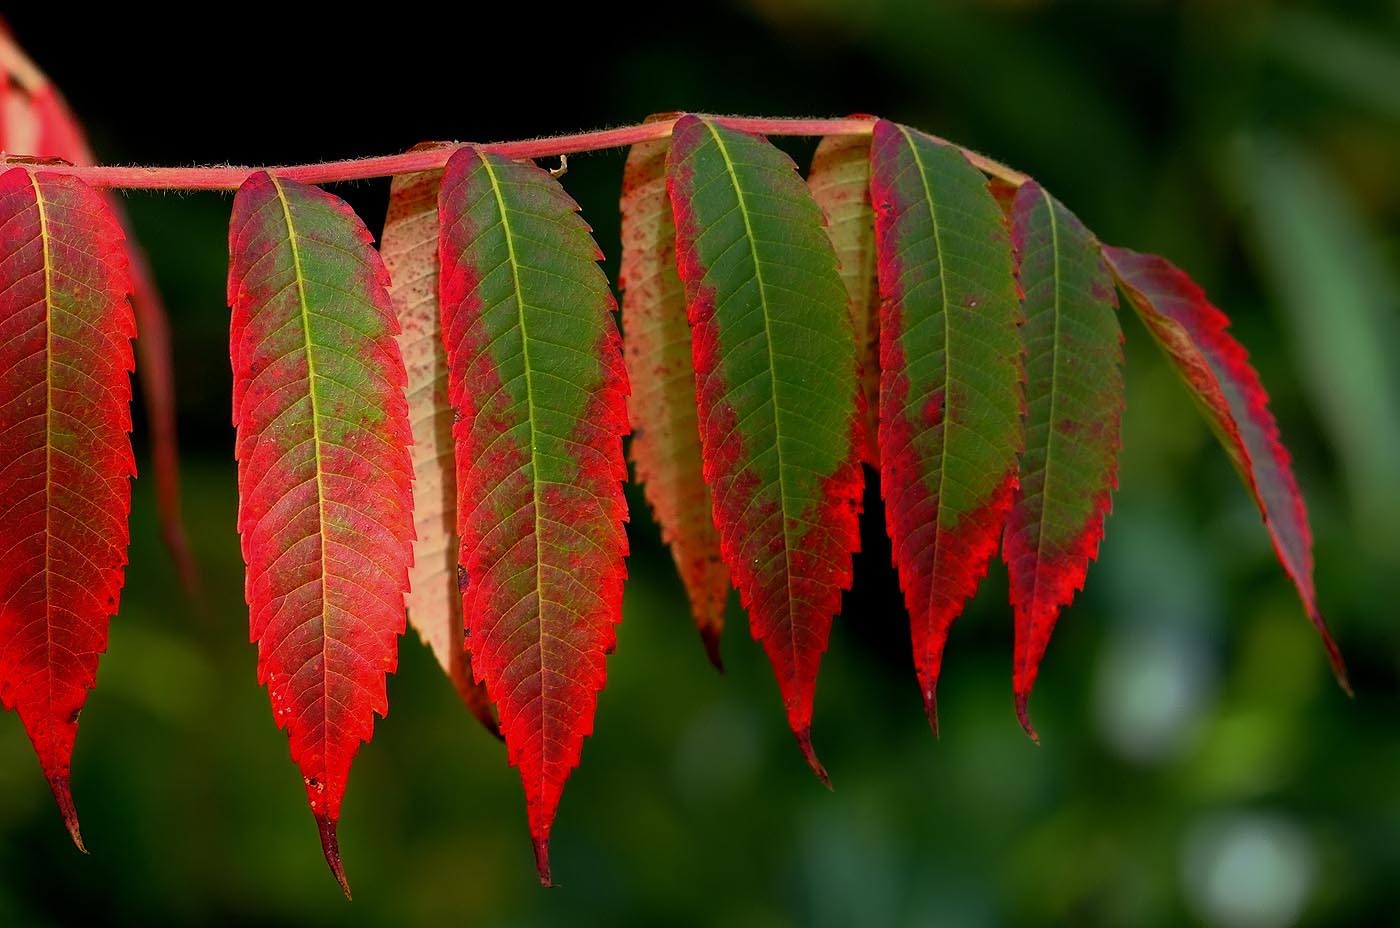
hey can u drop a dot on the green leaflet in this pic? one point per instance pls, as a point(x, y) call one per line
point(1074, 400)
point(950, 378)
point(775, 361)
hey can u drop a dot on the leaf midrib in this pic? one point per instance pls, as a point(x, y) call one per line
point(48, 427)
point(772, 379)
point(530, 408)
point(316, 441)
point(947, 421)
point(1054, 392)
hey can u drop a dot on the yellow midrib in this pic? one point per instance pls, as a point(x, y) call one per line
point(48, 423)
point(530, 406)
point(315, 443)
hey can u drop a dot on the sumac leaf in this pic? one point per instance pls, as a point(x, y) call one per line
point(409, 249)
point(665, 428)
point(65, 453)
point(1195, 337)
point(536, 377)
point(840, 182)
point(775, 363)
point(323, 473)
point(950, 379)
point(36, 121)
point(1074, 402)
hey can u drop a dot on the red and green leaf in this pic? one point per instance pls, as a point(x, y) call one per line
point(950, 378)
point(537, 381)
point(840, 182)
point(665, 425)
point(776, 376)
point(1195, 336)
point(1074, 401)
point(65, 453)
point(409, 248)
point(323, 473)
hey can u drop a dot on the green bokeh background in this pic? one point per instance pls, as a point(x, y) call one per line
point(1198, 765)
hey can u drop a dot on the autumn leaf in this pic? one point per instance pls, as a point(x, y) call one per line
point(775, 364)
point(536, 378)
point(65, 453)
point(325, 507)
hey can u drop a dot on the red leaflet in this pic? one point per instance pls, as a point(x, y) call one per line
point(665, 430)
point(950, 379)
point(323, 473)
point(1194, 335)
point(536, 378)
point(65, 453)
point(39, 123)
point(1074, 400)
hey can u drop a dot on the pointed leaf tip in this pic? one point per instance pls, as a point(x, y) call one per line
point(1023, 716)
point(1334, 657)
point(931, 708)
point(804, 741)
point(330, 846)
point(63, 794)
point(542, 861)
point(778, 429)
point(1195, 336)
point(710, 636)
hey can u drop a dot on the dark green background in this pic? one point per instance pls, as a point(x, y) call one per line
point(1198, 767)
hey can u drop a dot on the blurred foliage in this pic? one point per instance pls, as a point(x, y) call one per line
point(1198, 765)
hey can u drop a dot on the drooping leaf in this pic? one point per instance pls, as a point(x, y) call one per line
point(409, 248)
point(1195, 336)
point(38, 122)
point(1074, 401)
point(65, 453)
point(665, 426)
point(840, 182)
point(538, 385)
point(775, 360)
point(323, 473)
point(950, 378)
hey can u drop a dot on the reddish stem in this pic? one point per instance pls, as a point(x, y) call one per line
point(410, 162)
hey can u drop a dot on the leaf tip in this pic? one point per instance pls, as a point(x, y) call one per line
point(931, 708)
point(63, 795)
point(1023, 699)
point(710, 636)
point(804, 741)
point(542, 861)
point(1334, 653)
point(330, 846)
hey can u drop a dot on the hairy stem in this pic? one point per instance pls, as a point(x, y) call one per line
point(411, 162)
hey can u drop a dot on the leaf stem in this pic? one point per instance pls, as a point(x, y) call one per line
point(424, 159)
